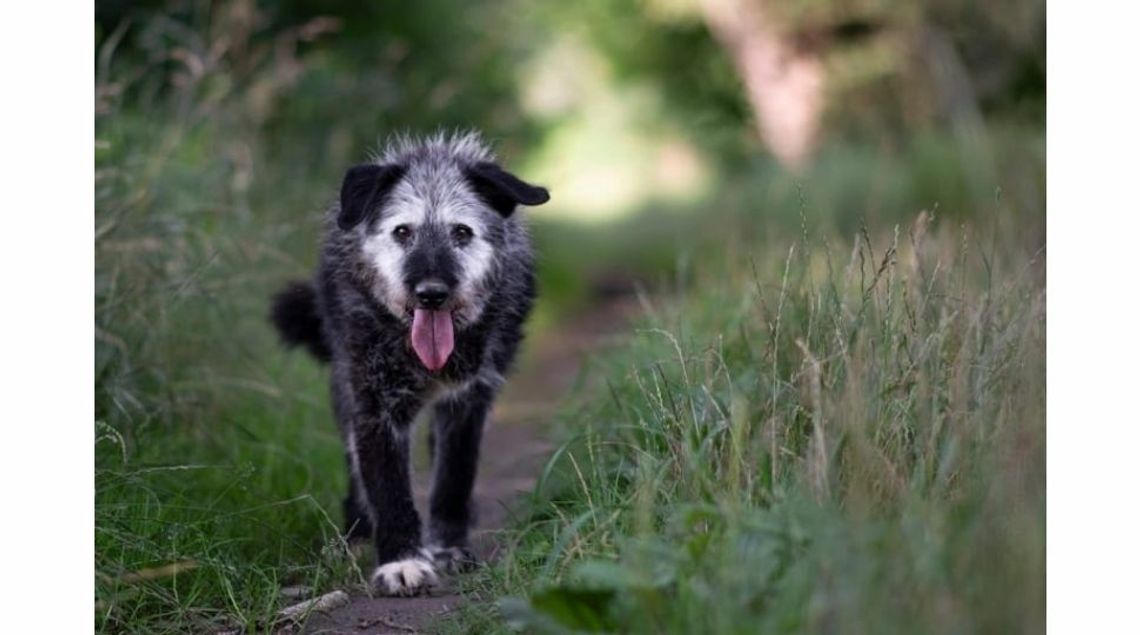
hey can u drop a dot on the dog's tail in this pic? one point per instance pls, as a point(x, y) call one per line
point(297, 319)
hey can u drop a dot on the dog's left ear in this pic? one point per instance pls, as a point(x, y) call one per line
point(502, 190)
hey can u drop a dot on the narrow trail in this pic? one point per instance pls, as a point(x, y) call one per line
point(514, 449)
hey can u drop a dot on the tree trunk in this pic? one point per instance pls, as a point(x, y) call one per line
point(783, 82)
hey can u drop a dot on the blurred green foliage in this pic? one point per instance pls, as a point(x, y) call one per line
point(345, 73)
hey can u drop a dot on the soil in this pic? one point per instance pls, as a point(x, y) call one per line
point(514, 449)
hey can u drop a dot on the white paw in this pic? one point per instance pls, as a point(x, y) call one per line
point(404, 577)
point(451, 559)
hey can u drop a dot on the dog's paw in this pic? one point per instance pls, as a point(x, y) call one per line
point(410, 576)
point(452, 559)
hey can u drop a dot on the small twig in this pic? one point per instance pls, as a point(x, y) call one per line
point(363, 624)
point(326, 602)
point(817, 464)
point(296, 592)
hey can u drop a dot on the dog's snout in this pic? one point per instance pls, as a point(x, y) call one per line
point(432, 294)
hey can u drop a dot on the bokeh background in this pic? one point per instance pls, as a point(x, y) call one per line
point(224, 127)
point(668, 132)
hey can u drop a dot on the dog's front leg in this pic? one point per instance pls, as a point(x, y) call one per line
point(380, 447)
point(458, 428)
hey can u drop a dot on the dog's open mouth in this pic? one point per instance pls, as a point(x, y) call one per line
point(433, 337)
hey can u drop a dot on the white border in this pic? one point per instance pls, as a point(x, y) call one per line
point(1093, 313)
point(47, 61)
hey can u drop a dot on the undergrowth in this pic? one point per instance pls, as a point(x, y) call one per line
point(834, 437)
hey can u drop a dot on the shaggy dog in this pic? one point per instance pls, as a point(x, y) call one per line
point(425, 278)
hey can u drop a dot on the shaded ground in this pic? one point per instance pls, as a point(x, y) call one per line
point(513, 452)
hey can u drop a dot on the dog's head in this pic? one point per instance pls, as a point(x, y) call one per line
point(434, 219)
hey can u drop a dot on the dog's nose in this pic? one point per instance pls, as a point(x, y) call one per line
point(432, 294)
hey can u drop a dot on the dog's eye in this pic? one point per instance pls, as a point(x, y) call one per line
point(402, 233)
point(462, 234)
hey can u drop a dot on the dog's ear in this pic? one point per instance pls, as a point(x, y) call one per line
point(502, 190)
point(364, 188)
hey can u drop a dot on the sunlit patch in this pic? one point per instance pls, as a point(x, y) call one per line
point(605, 156)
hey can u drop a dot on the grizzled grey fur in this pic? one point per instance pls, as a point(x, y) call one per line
point(426, 276)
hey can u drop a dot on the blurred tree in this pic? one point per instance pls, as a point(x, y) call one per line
point(782, 81)
point(790, 73)
point(735, 75)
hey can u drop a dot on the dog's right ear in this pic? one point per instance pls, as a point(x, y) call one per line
point(364, 188)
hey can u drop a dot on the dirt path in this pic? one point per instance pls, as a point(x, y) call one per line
point(514, 449)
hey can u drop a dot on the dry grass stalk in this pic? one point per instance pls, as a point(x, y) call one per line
point(817, 454)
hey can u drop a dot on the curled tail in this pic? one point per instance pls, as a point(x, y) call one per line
point(297, 319)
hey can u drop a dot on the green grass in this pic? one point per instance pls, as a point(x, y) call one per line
point(817, 436)
point(215, 448)
point(692, 462)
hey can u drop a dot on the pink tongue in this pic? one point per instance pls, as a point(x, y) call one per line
point(433, 337)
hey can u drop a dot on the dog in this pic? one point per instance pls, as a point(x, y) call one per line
point(425, 280)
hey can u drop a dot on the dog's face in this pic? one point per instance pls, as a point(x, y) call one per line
point(431, 231)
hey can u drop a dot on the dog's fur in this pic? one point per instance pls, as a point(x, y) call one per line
point(437, 212)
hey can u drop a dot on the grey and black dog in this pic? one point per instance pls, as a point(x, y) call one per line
point(425, 278)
